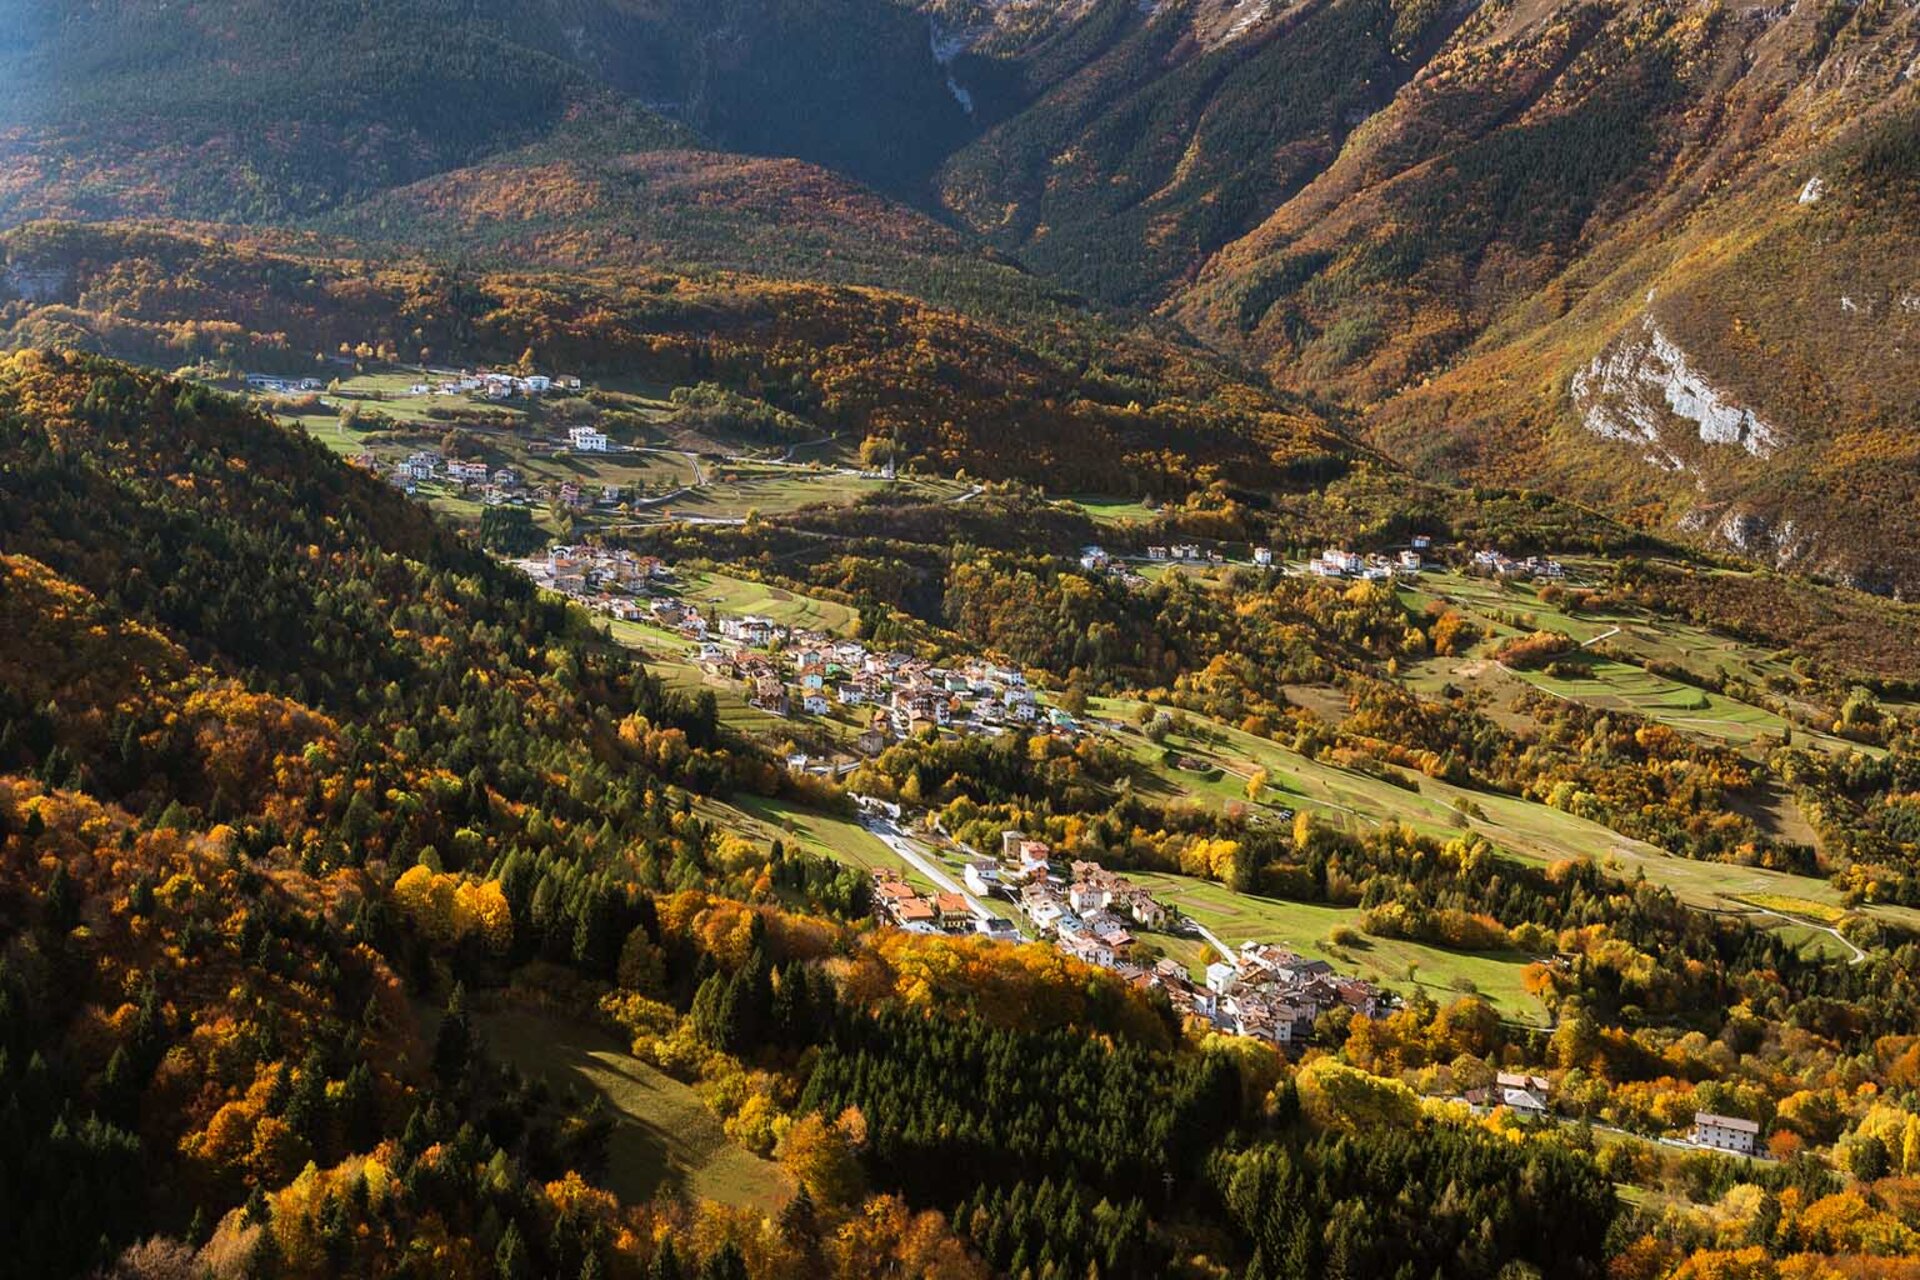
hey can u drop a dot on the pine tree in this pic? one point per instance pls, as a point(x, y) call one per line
point(453, 1043)
point(510, 1259)
point(666, 1264)
point(725, 1263)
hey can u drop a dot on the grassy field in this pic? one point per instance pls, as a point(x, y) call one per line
point(664, 1138)
point(765, 820)
point(829, 835)
point(735, 490)
point(1445, 975)
point(1520, 828)
point(1503, 609)
point(1102, 510)
point(738, 596)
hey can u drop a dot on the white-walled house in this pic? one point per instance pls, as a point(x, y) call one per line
point(1724, 1133)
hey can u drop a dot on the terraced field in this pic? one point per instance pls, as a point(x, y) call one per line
point(1507, 609)
point(1104, 510)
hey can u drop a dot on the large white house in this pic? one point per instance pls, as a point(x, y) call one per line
point(1724, 1133)
point(587, 439)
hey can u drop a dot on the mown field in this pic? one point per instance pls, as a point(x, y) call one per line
point(664, 1138)
point(1520, 828)
point(740, 596)
point(1104, 510)
point(735, 491)
point(1505, 609)
point(1305, 927)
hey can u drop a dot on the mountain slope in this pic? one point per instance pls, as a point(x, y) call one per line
point(1064, 401)
point(246, 110)
point(1585, 225)
point(1541, 242)
point(688, 209)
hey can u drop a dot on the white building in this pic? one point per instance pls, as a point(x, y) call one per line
point(587, 439)
point(1724, 1133)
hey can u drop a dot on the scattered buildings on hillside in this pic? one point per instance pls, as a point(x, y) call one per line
point(1095, 915)
point(1500, 565)
point(1335, 563)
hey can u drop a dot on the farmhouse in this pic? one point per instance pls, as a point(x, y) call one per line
point(1724, 1133)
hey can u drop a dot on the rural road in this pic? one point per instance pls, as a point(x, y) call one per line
point(1211, 937)
point(898, 841)
point(1604, 635)
point(691, 459)
point(1859, 956)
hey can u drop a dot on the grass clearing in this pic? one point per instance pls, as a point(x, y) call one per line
point(1443, 974)
point(738, 596)
point(1826, 913)
point(1520, 828)
point(664, 1138)
point(1103, 510)
point(736, 489)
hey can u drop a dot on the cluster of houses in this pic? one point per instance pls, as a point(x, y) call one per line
point(896, 694)
point(490, 386)
point(1273, 993)
point(1185, 553)
point(1501, 565)
point(1335, 563)
point(1332, 563)
point(495, 486)
point(276, 385)
point(436, 382)
point(900, 904)
point(1095, 559)
point(1090, 916)
point(791, 671)
point(608, 581)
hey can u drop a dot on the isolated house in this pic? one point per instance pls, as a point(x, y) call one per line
point(1724, 1133)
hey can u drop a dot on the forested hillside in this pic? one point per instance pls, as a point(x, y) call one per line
point(301, 795)
point(1080, 404)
